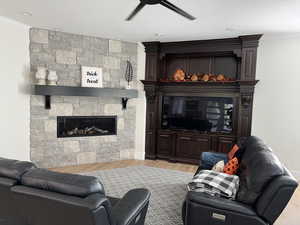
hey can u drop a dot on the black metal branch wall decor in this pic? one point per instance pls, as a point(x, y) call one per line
point(128, 77)
point(129, 73)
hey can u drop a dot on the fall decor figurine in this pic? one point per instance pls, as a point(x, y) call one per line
point(205, 78)
point(212, 78)
point(179, 75)
point(221, 77)
point(194, 77)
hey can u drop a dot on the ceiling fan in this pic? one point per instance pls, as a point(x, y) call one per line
point(164, 3)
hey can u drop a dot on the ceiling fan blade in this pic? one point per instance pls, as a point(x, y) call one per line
point(173, 7)
point(135, 11)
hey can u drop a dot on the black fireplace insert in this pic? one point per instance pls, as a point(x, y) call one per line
point(82, 126)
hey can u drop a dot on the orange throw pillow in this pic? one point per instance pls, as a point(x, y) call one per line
point(234, 149)
point(232, 166)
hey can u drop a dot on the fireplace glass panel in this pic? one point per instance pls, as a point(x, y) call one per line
point(82, 126)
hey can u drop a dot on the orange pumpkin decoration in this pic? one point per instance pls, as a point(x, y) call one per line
point(179, 75)
point(194, 78)
point(205, 77)
point(220, 77)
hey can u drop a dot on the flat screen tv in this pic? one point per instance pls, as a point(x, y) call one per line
point(206, 114)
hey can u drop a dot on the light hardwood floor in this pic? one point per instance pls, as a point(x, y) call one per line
point(290, 216)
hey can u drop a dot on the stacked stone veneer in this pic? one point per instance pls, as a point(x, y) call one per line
point(66, 53)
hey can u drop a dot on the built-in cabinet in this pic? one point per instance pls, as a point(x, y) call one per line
point(235, 57)
point(190, 146)
point(178, 146)
point(166, 144)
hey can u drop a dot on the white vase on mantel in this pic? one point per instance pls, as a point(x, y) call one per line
point(52, 78)
point(41, 75)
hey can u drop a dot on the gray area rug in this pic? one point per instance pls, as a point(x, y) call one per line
point(168, 189)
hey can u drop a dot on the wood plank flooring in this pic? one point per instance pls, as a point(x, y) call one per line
point(290, 216)
point(127, 163)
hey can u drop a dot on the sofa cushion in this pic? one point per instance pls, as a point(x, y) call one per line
point(258, 167)
point(231, 167)
point(233, 151)
point(14, 169)
point(7, 182)
point(70, 184)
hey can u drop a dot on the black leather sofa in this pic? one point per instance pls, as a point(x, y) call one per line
point(266, 187)
point(33, 196)
point(11, 172)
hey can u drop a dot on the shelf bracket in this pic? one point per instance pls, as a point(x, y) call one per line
point(124, 103)
point(47, 102)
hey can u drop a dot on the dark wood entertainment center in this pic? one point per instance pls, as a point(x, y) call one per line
point(234, 57)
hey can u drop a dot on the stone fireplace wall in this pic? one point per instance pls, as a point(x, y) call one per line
point(66, 53)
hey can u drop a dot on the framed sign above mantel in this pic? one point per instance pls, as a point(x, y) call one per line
point(91, 77)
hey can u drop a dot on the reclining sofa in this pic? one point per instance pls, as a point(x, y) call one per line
point(266, 187)
point(33, 196)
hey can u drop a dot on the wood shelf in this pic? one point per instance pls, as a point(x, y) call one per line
point(49, 91)
point(202, 83)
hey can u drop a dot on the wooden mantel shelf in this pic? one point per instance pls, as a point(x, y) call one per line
point(48, 91)
point(200, 83)
point(84, 91)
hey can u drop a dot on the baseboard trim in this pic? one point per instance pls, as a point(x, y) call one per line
point(139, 155)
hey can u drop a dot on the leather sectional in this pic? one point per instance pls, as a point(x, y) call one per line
point(33, 196)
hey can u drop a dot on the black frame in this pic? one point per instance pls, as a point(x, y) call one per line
point(85, 117)
point(204, 95)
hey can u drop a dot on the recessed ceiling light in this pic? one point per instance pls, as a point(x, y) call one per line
point(157, 36)
point(26, 13)
point(230, 29)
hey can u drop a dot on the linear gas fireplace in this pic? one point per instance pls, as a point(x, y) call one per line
point(82, 126)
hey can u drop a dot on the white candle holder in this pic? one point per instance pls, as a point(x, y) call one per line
point(52, 78)
point(41, 75)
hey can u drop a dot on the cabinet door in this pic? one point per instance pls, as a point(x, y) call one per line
point(150, 148)
point(150, 145)
point(165, 144)
point(189, 148)
point(225, 144)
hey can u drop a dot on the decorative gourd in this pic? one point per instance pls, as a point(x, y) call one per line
point(179, 75)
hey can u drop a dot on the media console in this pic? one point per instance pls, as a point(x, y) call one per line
point(233, 57)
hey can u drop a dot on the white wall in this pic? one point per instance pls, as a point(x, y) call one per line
point(140, 106)
point(14, 101)
point(276, 116)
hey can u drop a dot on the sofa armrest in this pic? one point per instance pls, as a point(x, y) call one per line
point(275, 197)
point(204, 199)
point(132, 208)
point(216, 210)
